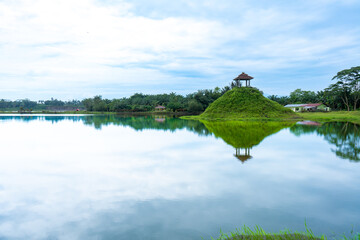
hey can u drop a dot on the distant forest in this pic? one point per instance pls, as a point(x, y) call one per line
point(195, 102)
point(344, 94)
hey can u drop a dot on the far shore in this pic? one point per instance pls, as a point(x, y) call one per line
point(334, 116)
point(97, 113)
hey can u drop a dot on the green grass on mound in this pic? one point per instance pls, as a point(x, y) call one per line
point(245, 103)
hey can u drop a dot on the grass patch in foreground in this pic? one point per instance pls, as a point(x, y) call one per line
point(258, 233)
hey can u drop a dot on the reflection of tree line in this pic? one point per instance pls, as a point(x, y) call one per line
point(147, 122)
point(28, 118)
point(344, 136)
point(242, 135)
point(135, 122)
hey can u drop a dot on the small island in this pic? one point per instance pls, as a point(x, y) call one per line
point(244, 103)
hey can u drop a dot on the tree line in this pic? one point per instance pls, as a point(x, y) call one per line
point(138, 102)
point(27, 105)
point(343, 94)
point(194, 102)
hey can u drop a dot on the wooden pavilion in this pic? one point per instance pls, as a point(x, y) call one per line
point(243, 77)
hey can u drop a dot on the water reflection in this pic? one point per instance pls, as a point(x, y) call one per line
point(239, 134)
point(61, 177)
point(345, 137)
point(243, 136)
point(139, 123)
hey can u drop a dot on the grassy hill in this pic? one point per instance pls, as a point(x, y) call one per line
point(245, 103)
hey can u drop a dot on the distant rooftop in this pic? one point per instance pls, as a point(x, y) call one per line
point(294, 105)
point(308, 105)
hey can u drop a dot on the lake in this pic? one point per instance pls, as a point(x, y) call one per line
point(157, 177)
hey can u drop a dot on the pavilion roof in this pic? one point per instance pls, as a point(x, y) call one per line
point(243, 76)
point(243, 158)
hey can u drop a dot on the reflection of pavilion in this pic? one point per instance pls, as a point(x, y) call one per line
point(243, 157)
point(244, 135)
point(160, 119)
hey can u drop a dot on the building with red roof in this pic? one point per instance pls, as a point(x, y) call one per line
point(308, 107)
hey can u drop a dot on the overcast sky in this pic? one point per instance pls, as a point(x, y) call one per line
point(70, 49)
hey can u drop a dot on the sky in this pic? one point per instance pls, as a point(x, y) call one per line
point(77, 49)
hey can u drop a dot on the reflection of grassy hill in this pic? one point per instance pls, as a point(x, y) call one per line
point(244, 134)
point(245, 103)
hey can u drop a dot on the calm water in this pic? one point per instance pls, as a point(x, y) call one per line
point(108, 177)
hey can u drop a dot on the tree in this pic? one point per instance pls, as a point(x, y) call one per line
point(348, 83)
point(340, 90)
point(100, 105)
point(174, 106)
point(283, 100)
point(194, 106)
point(330, 99)
point(88, 104)
point(300, 96)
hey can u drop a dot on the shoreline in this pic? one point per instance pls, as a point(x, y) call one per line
point(338, 116)
point(96, 113)
point(335, 116)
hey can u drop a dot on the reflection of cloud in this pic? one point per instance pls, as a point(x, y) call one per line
point(66, 179)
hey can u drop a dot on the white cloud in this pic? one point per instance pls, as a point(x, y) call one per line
point(48, 45)
point(65, 41)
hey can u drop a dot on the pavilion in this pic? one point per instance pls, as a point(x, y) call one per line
point(243, 77)
point(243, 157)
